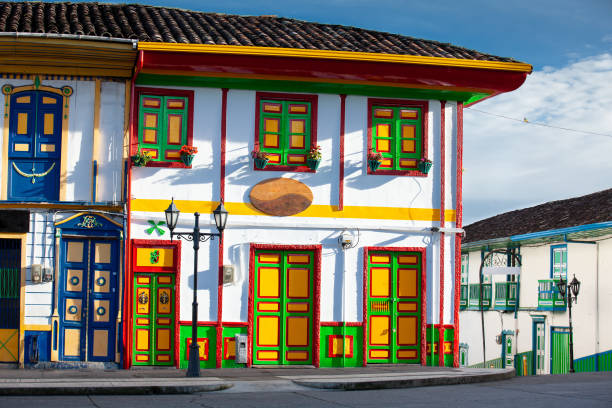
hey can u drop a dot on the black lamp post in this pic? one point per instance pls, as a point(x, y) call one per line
point(571, 291)
point(172, 214)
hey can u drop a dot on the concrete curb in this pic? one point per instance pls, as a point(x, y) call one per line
point(382, 382)
point(109, 387)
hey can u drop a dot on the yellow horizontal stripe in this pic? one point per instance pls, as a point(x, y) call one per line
point(316, 211)
point(338, 55)
point(37, 327)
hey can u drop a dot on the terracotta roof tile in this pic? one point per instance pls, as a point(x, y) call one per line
point(162, 24)
point(588, 209)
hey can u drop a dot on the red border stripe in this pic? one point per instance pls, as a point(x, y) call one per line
point(458, 224)
point(341, 169)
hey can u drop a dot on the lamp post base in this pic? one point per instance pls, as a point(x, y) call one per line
point(193, 369)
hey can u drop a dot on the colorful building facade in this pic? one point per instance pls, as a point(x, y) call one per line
point(347, 260)
point(525, 317)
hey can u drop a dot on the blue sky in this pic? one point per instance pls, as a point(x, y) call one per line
point(508, 164)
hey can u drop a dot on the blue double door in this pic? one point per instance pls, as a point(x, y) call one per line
point(88, 300)
point(35, 130)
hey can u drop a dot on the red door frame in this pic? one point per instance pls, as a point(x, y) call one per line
point(423, 251)
point(316, 300)
point(129, 288)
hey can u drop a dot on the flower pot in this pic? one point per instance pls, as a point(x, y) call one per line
point(139, 161)
point(187, 158)
point(261, 163)
point(424, 166)
point(374, 164)
point(313, 164)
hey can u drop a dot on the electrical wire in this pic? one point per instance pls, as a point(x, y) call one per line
point(524, 120)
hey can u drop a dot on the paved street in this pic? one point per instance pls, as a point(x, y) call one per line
point(579, 390)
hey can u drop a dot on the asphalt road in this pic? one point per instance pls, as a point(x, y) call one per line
point(578, 390)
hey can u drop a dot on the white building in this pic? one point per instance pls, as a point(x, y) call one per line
point(525, 317)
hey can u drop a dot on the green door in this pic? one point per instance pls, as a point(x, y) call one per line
point(559, 352)
point(394, 307)
point(283, 307)
point(154, 306)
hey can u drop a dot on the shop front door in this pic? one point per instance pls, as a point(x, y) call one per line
point(394, 307)
point(88, 299)
point(283, 307)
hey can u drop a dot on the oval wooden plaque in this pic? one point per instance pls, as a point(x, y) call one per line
point(281, 196)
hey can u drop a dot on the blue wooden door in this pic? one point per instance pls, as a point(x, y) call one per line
point(35, 131)
point(88, 299)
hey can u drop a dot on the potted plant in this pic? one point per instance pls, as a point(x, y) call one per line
point(374, 161)
point(313, 158)
point(187, 154)
point(424, 165)
point(261, 158)
point(140, 159)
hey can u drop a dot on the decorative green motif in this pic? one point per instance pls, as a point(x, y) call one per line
point(155, 227)
point(74, 281)
point(67, 91)
point(37, 82)
point(73, 309)
point(89, 221)
point(7, 89)
point(155, 256)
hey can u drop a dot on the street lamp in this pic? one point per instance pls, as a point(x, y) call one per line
point(172, 215)
point(571, 291)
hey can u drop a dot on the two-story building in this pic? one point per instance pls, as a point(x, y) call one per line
point(336, 150)
point(520, 312)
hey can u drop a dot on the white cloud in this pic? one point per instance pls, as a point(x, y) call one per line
point(510, 165)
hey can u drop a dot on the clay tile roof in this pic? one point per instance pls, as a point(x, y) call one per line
point(171, 25)
point(588, 209)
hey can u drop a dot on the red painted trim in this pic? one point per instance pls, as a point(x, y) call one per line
point(317, 291)
point(224, 92)
point(440, 326)
point(442, 207)
point(313, 99)
point(423, 252)
point(341, 169)
point(296, 303)
point(134, 118)
point(235, 324)
point(297, 359)
point(200, 340)
point(340, 324)
point(424, 106)
point(458, 224)
point(299, 263)
point(418, 76)
point(151, 243)
point(200, 324)
point(277, 304)
point(127, 291)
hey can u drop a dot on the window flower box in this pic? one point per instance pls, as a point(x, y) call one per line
point(313, 158)
point(425, 165)
point(261, 159)
point(374, 161)
point(188, 153)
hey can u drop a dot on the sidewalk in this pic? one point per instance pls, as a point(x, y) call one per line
point(173, 381)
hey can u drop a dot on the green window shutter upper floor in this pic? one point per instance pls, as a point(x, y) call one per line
point(285, 131)
point(162, 126)
point(397, 134)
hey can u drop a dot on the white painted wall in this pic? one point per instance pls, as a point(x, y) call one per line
point(592, 332)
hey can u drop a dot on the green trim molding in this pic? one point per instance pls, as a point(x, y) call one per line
point(312, 87)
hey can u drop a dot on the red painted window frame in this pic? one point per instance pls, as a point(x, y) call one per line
point(161, 92)
point(424, 106)
point(313, 99)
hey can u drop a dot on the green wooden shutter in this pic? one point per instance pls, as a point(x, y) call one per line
point(285, 131)
point(162, 126)
point(397, 135)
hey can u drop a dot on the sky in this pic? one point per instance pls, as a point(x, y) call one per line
point(509, 163)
